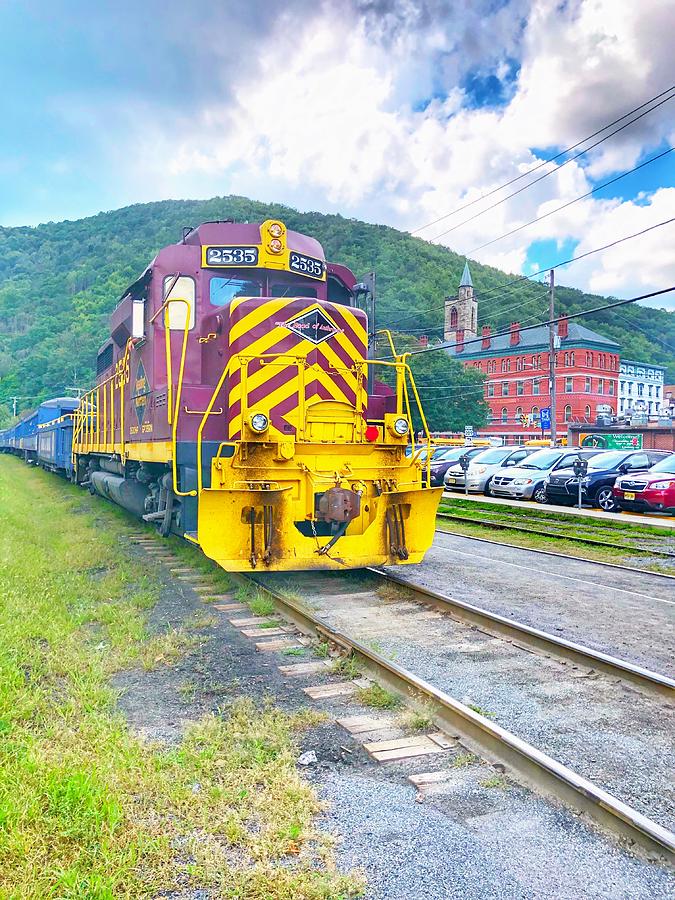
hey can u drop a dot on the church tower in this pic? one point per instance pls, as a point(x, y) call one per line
point(461, 312)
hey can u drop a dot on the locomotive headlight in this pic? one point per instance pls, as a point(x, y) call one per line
point(276, 230)
point(400, 426)
point(259, 422)
point(276, 246)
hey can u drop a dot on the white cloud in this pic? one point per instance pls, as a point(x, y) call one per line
point(336, 115)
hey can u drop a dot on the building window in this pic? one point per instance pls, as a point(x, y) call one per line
point(572, 359)
point(588, 385)
point(519, 411)
point(568, 413)
point(536, 386)
point(587, 413)
point(611, 388)
point(505, 414)
point(520, 388)
point(567, 359)
point(569, 384)
point(491, 389)
point(650, 390)
point(656, 393)
point(535, 413)
point(641, 390)
point(519, 364)
point(601, 385)
point(453, 317)
point(505, 389)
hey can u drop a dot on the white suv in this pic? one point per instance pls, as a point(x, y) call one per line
point(526, 481)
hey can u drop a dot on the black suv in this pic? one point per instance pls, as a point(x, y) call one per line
point(562, 486)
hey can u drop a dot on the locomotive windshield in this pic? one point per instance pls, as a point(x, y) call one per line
point(223, 290)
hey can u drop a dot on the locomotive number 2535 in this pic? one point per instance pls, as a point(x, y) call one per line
point(231, 256)
point(306, 265)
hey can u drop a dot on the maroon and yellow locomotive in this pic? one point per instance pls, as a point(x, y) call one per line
point(232, 408)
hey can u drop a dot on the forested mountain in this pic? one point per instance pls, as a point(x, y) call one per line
point(59, 282)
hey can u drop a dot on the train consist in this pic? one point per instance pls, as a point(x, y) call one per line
point(232, 406)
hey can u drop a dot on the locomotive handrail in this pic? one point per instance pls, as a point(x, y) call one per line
point(174, 413)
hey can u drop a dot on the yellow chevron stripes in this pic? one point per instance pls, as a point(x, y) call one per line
point(332, 373)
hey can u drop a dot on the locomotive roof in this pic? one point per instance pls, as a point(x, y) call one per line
point(248, 233)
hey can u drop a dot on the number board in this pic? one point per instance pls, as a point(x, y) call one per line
point(306, 265)
point(231, 256)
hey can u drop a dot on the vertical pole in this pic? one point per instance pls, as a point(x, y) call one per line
point(551, 354)
point(372, 328)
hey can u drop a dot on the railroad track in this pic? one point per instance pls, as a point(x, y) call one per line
point(477, 732)
point(594, 542)
point(581, 559)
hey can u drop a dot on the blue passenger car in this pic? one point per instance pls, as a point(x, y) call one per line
point(55, 434)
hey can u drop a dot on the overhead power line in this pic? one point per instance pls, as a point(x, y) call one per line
point(558, 265)
point(551, 321)
point(599, 187)
point(544, 163)
point(551, 171)
point(663, 97)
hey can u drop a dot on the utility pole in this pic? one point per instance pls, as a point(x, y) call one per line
point(552, 342)
point(14, 402)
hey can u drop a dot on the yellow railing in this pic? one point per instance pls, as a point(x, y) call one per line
point(403, 401)
point(94, 419)
point(173, 410)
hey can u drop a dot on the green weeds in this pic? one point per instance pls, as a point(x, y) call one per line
point(87, 809)
point(378, 697)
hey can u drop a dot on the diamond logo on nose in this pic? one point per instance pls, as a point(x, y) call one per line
point(314, 326)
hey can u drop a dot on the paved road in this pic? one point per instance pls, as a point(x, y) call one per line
point(627, 614)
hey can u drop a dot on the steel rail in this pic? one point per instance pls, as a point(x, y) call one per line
point(555, 534)
point(540, 641)
point(490, 741)
point(581, 559)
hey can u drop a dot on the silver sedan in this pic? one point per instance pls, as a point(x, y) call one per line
point(482, 468)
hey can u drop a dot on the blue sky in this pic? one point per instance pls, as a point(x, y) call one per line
point(394, 112)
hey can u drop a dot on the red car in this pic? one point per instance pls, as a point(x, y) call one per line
point(650, 491)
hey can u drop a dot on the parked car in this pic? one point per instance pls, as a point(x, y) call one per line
point(597, 486)
point(483, 466)
point(526, 481)
point(651, 491)
point(441, 463)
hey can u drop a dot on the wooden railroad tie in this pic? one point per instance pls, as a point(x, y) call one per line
point(408, 747)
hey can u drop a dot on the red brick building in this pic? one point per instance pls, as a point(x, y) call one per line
point(516, 366)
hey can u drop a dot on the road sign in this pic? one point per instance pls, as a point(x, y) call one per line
point(468, 431)
point(611, 441)
point(545, 417)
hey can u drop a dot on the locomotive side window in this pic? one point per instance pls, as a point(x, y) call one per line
point(222, 290)
point(183, 289)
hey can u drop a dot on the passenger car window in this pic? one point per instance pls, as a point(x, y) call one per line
point(638, 461)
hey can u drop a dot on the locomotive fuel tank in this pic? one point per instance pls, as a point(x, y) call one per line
point(126, 492)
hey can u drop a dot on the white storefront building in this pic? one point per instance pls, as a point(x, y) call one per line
point(640, 388)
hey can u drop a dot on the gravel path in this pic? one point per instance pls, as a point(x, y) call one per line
point(519, 847)
point(602, 728)
point(626, 614)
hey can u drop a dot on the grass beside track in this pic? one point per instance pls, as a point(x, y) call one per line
point(555, 545)
point(87, 809)
point(541, 517)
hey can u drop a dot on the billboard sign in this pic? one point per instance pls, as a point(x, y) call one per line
point(611, 441)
